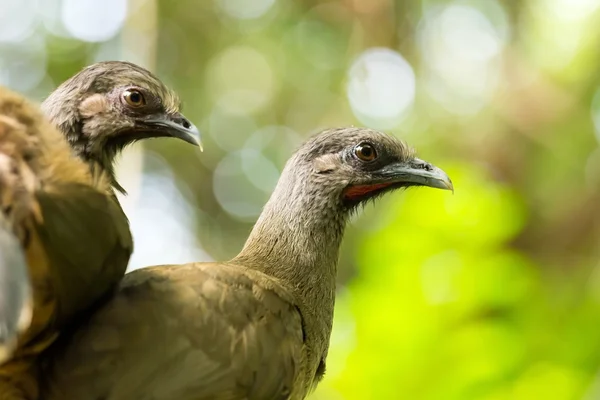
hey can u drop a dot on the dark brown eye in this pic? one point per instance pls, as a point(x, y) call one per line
point(134, 98)
point(365, 152)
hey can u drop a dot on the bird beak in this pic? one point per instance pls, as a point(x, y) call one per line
point(418, 173)
point(174, 125)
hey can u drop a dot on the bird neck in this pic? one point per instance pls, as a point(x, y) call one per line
point(296, 240)
point(65, 116)
point(100, 163)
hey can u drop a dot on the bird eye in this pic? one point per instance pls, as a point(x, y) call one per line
point(134, 98)
point(365, 152)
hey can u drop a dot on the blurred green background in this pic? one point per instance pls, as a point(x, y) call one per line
point(490, 294)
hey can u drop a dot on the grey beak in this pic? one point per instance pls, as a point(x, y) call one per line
point(178, 127)
point(417, 172)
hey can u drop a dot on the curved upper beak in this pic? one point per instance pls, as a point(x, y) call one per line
point(174, 125)
point(417, 172)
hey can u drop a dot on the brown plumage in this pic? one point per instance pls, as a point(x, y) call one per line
point(49, 198)
point(256, 327)
point(67, 237)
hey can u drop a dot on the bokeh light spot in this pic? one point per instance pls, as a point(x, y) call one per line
point(571, 10)
point(160, 221)
point(24, 66)
point(248, 172)
point(462, 46)
point(92, 20)
point(230, 130)
point(381, 87)
point(241, 90)
point(17, 19)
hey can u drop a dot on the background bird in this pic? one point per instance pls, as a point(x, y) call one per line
point(111, 104)
point(258, 326)
point(74, 234)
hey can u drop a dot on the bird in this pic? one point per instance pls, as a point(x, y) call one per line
point(66, 232)
point(254, 327)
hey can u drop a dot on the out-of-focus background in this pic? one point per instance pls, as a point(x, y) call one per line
point(490, 294)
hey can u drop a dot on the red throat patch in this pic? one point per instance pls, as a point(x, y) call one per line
point(356, 192)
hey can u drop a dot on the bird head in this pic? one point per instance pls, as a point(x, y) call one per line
point(299, 232)
point(109, 105)
point(359, 164)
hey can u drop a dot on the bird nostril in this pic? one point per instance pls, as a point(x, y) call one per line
point(425, 166)
point(181, 121)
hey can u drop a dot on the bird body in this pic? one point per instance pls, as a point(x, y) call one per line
point(215, 321)
point(256, 327)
